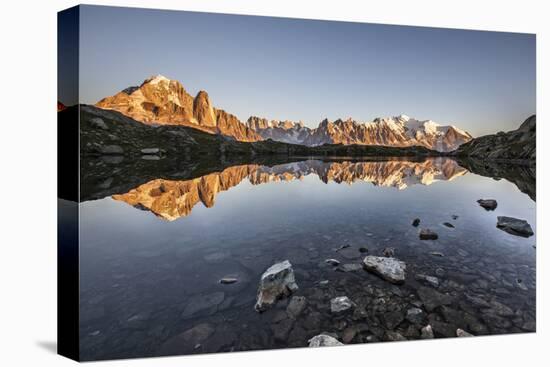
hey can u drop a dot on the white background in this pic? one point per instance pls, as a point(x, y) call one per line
point(28, 182)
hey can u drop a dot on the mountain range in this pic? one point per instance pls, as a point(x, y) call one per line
point(400, 131)
point(162, 101)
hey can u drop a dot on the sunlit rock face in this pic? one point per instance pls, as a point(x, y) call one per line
point(162, 101)
point(170, 199)
point(159, 100)
point(399, 131)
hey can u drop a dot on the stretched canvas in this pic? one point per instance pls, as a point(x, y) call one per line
point(235, 183)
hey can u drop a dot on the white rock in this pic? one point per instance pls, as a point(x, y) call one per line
point(388, 268)
point(323, 340)
point(433, 281)
point(427, 332)
point(340, 304)
point(277, 282)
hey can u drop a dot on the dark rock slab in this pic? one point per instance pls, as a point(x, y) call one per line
point(433, 299)
point(427, 234)
point(487, 204)
point(188, 340)
point(203, 304)
point(517, 227)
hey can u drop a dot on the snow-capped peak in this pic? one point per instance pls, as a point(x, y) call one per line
point(155, 79)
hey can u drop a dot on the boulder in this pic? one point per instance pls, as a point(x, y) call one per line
point(427, 332)
point(487, 204)
point(388, 268)
point(517, 227)
point(415, 315)
point(461, 333)
point(323, 340)
point(276, 282)
point(98, 123)
point(349, 253)
point(427, 234)
point(150, 151)
point(111, 150)
point(340, 304)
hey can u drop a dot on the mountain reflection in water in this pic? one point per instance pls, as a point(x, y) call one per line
point(172, 199)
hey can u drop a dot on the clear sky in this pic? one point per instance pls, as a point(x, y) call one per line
point(307, 70)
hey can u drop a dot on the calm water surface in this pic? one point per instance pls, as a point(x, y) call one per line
point(151, 258)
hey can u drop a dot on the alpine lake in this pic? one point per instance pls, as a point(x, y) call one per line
point(172, 260)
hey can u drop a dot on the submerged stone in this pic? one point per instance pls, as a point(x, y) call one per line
point(431, 280)
point(228, 280)
point(203, 303)
point(433, 299)
point(427, 234)
point(346, 268)
point(340, 304)
point(388, 268)
point(388, 252)
point(296, 305)
point(150, 151)
point(332, 262)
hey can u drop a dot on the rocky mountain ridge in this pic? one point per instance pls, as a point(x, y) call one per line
point(162, 101)
point(516, 145)
point(399, 131)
